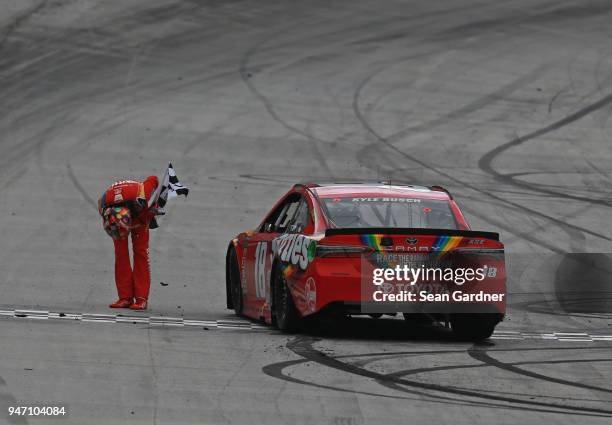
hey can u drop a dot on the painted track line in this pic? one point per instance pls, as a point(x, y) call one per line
point(131, 319)
point(242, 324)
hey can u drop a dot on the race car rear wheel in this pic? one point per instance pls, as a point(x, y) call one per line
point(235, 285)
point(287, 316)
point(474, 327)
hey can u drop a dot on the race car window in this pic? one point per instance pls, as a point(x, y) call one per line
point(285, 218)
point(367, 212)
point(300, 219)
point(276, 221)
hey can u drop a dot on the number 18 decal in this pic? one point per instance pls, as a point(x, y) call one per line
point(260, 269)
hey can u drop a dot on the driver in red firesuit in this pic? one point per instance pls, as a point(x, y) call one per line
point(125, 212)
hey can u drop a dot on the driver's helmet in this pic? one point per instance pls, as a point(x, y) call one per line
point(344, 214)
point(117, 221)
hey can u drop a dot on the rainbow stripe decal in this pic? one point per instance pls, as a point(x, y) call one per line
point(372, 241)
point(289, 271)
point(444, 244)
point(441, 245)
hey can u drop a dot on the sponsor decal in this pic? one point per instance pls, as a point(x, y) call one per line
point(310, 293)
point(491, 271)
point(118, 197)
point(295, 249)
point(243, 279)
point(260, 269)
point(124, 182)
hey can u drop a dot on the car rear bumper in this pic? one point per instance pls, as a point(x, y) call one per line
point(339, 284)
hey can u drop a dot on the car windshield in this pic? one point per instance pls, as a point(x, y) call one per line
point(367, 212)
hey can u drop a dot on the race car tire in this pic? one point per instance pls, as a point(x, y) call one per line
point(287, 316)
point(235, 286)
point(473, 327)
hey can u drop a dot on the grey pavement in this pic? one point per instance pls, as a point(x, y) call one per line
point(505, 103)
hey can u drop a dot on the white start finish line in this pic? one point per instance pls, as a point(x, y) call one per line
point(247, 325)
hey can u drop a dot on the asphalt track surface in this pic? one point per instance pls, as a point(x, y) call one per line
point(505, 103)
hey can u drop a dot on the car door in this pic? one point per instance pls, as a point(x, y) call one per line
point(259, 255)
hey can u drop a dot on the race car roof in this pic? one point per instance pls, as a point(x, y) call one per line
point(378, 189)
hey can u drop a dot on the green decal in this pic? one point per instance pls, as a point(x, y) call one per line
point(312, 249)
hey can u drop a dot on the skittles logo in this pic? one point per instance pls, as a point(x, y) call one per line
point(117, 222)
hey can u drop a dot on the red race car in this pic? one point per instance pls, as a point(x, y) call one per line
point(373, 249)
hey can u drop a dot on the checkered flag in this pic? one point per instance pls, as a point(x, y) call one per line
point(170, 187)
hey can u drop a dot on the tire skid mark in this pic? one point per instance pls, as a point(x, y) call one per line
point(398, 387)
point(576, 243)
point(485, 163)
point(79, 187)
point(214, 130)
point(514, 365)
point(474, 105)
point(480, 354)
point(488, 219)
point(270, 107)
point(303, 346)
point(437, 352)
point(568, 228)
point(84, 145)
point(276, 370)
point(485, 364)
point(16, 158)
point(19, 155)
point(20, 20)
point(388, 28)
point(553, 99)
point(246, 76)
point(551, 307)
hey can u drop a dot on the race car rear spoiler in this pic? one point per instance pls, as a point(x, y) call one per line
point(412, 231)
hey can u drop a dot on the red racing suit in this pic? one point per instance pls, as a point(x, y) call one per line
point(132, 283)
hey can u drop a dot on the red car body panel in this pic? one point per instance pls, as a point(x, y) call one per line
point(318, 280)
